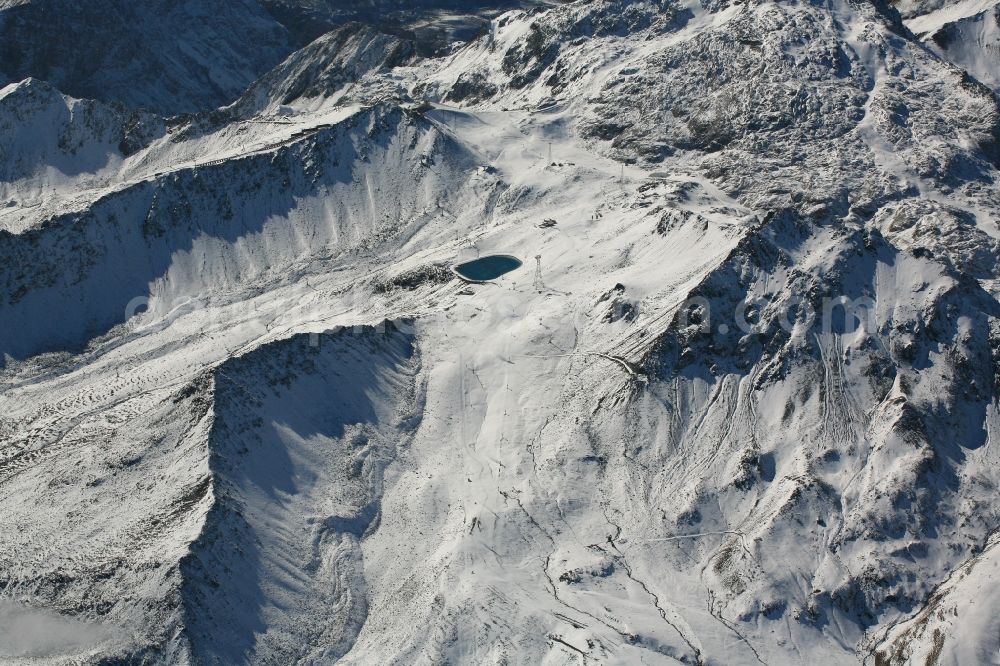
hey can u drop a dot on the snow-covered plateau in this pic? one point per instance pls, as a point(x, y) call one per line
point(737, 406)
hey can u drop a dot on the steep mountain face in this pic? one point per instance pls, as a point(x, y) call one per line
point(171, 57)
point(739, 410)
point(47, 138)
point(958, 625)
point(170, 238)
point(326, 68)
point(433, 24)
point(964, 33)
point(183, 57)
point(300, 441)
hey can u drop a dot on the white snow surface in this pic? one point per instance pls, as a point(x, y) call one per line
point(966, 33)
point(247, 415)
point(960, 623)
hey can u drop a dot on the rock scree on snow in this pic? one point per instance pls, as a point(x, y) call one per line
point(247, 418)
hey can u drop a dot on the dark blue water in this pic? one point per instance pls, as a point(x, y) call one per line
point(488, 268)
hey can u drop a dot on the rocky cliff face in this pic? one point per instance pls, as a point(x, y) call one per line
point(183, 57)
point(964, 33)
point(739, 410)
point(171, 57)
point(45, 135)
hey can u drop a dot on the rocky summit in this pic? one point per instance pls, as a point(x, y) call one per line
point(730, 400)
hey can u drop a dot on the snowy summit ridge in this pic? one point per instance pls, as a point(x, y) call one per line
point(736, 407)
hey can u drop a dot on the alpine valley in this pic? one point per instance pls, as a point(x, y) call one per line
point(737, 406)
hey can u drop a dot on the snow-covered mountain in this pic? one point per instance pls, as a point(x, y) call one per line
point(966, 33)
point(184, 56)
point(48, 138)
point(736, 407)
point(163, 55)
